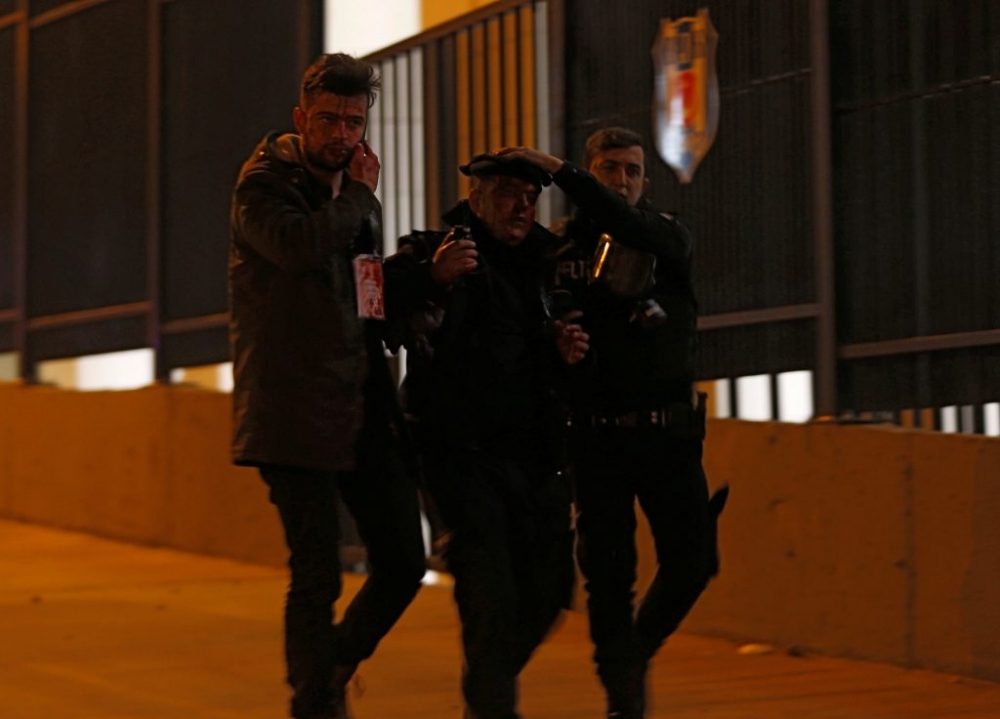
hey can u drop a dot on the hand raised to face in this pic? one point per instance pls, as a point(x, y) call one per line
point(364, 166)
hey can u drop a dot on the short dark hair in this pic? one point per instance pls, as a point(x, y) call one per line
point(609, 138)
point(339, 74)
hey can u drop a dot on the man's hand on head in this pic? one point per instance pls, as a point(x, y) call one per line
point(539, 159)
point(364, 165)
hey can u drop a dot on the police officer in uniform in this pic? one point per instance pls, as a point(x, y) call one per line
point(636, 426)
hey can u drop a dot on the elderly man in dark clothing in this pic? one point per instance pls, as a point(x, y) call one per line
point(637, 426)
point(314, 403)
point(481, 362)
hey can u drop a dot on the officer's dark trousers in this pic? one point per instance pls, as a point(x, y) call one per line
point(382, 497)
point(511, 556)
point(613, 467)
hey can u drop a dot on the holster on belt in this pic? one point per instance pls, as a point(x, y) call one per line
point(693, 426)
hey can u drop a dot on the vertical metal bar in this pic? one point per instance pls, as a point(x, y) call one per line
point(772, 383)
point(979, 419)
point(26, 367)
point(154, 274)
point(433, 105)
point(376, 133)
point(734, 403)
point(526, 76)
point(918, 188)
point(463, 105)
point(494, 84)
point(390, 148)
point(550, 19)
point(418, 190)
point(511, 80)
point(401, 164)
point(825, 387)
point(479, 89)
point(448, 128)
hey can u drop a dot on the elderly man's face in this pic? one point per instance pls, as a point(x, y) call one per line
point(506, 205)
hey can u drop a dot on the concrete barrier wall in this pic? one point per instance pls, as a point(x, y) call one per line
point(866, 542)
point(148, 466)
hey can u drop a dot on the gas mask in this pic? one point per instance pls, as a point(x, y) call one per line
point(629, 274)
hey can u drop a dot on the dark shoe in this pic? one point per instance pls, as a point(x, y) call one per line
point(342, 674)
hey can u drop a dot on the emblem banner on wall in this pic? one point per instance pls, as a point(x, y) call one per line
point(686, 92)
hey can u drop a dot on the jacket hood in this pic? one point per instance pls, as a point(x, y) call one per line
point(283, 147)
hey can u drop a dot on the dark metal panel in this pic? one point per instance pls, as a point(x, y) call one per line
point(785, 246)
point(222, 91)
point(874, 232)
point(8, 167)
point(962, 286)
point(193, 349)
point(783, 27)
point(87, 154)
point(39, 7)
point(960, 40)
point(875, 384)
point(870, 49)
point(991, 188)
point(957, 377)
point(77, 340)
point(756, 349)
point(918, 192)
point(749, 205)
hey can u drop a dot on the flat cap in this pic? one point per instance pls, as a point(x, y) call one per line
point(489, 165)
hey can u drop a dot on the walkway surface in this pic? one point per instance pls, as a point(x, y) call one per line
point(93, 629)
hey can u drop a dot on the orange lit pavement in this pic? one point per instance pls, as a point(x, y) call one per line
point(93, 629)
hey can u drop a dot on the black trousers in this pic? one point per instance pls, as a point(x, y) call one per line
point(511, 555)
point(381, 495)
point(612, 468)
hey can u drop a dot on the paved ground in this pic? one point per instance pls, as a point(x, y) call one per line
point(92, 629)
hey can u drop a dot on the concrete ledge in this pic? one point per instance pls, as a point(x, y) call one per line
point(865, 542)
point(149, 466)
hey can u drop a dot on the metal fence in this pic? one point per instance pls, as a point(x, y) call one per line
point(846, 217)
point(467, 87)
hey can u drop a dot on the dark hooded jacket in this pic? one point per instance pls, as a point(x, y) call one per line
point(481, 355)
point(300, 352)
